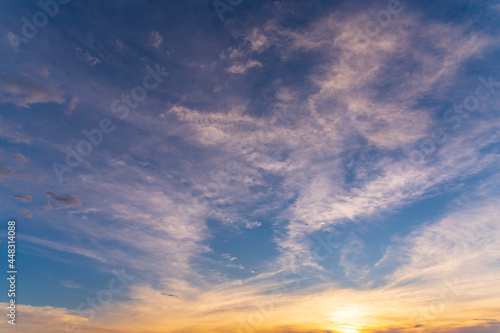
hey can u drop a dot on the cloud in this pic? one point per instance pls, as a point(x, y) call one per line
point(346, 125)
point(172, 230)
point(48, 319)
point(337, 162)
point(24, 91)
point(348, 99)
point(71, 285)
point(25, 198)
point(252, 225)
point(156, 39)
point(26, 213)
point(120, 44)
point(5, 171)
point(48, 206)
point(229, 257)
point(87, 57)
point(259, 41)
point(71, 104)
point(350, 255)
point(330, 305)
point(67, 200)
point(462, 244)
point(242, 68)
point(44, 319)
point(21, 158)
point(13, 136)
point(58, 246)
point(470, 329)
point(488, 320)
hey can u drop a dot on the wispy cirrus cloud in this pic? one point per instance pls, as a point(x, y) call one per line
point(348, 97)
point(26, 213)
point(12, 135)
point(71, 285)
point(24, 91)
point(5, 171)
point(87, 57)
point(243, 67)
point(66, 200)
point(22, 197)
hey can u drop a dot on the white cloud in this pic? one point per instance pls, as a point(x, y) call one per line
point(252, 225)
point(242, 68)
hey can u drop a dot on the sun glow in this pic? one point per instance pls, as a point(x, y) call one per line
point(346, 329)
point(349, 320)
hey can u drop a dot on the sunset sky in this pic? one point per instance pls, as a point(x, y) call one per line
point(250, 166)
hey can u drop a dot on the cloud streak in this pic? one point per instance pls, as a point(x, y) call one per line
point(66, 200)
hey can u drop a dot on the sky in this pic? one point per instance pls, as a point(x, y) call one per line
point(251, 166)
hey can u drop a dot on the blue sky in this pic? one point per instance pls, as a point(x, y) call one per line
point(322, 151)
